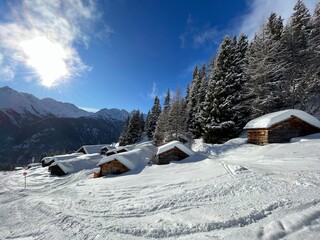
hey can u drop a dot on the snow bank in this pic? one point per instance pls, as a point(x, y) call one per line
point(270, 119)
point(173, 144)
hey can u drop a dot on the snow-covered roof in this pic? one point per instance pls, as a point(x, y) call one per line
point(271, 119)
point(60, 157)
point(132, 159)
point(147, 146)
point(127, 148)
point(108, 147)
point(173, 144)
point(89, 149)
point(76, 164)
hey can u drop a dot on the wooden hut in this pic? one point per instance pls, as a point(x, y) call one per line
point(76, 164)
point(126, 161)
point(172, 151)
point(47, 161)
point(280, 127)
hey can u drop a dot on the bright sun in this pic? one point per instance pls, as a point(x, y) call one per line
point(47, 58)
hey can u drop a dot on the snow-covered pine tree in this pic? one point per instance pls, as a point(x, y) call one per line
point(215, 112)
point(295, 54)
point(205, 106)
point(197, 127)
point(265, 68)
point(134, 129)
point(123, 137)
point(314, 62)
point(225, 109)
point(153, 118)
point(177, 118)
point(142, 122)
point(147, 122)
point(238, 98)
point(162, 128)
point(193, 100)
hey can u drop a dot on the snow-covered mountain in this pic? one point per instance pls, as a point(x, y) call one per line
point(30, 126)
point(115, 113)
point(25, 103)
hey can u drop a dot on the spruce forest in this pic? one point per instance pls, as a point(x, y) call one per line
point(278, 69)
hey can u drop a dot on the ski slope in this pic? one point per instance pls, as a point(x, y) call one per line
point(229, 191)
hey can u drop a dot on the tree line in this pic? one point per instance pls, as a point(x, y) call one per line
point(279, 69)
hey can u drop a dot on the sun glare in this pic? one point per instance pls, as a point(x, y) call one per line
point(47, 58)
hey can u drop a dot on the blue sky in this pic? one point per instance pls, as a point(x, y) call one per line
point(118, 53)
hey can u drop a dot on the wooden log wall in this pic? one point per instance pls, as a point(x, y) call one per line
point(174, 154)
point(113, 167)
point(293, 127)
point(258, 136)
point(281, 132)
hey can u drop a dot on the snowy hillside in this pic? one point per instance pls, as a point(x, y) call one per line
point(61, 109)
point(26, 103)
point(115, 113)
point(229, 191)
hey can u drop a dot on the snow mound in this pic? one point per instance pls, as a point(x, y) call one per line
point(306, 138)
point(270, 119)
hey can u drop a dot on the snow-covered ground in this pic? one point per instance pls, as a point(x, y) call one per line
point(230, 191)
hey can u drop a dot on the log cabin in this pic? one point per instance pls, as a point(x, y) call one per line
point(47, 161)
point(281, 126)
point(126, 161)
point(172, 151)
point(76, 164)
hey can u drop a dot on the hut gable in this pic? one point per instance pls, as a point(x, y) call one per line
point(90, 149)
point(172, 151)
point(281, 126)
point(107, 148)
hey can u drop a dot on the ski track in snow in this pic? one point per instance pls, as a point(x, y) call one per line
point(215, 198)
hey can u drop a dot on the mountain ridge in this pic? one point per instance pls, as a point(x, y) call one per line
point(30, 127)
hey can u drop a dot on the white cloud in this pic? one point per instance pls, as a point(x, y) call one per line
point(59, 24)
point(153, 92)
point(259, 11)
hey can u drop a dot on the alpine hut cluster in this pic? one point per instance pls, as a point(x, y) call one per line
point(115, 160)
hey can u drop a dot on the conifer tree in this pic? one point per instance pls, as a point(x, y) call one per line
point(197, 127)
point(265, 68)
point(192, 100)
point(213, 111)
point(162, 128)
point(133, 129)
point(177, 118)
point(123, 136)
point(153, 118)
point(296, 57)
point(314, 63)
